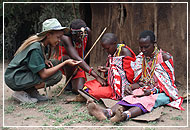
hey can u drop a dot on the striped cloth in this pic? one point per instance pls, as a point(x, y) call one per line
point(119, 74)
point(164, 73)
point(124, 103)
point(116, 76)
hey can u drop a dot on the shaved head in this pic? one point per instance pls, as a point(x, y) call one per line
point(109, 38)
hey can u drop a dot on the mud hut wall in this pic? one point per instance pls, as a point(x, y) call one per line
point(172, 35)
point(127, 20)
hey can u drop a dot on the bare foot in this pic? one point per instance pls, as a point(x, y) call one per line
point(119, 116)
point(95, 110)
point(87, 103)
point(78, 98)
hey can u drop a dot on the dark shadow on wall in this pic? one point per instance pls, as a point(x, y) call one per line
point(86, 15)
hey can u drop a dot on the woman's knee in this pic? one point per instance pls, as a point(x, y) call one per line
point(54, 79)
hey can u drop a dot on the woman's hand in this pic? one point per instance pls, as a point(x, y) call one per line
point(101, 81)
point(72, 62)
point(48, 63)
point(103, 69)
point(128, 90)
point(147, 92)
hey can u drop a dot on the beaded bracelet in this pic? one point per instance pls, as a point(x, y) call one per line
point(110, 112)
point(152, 91)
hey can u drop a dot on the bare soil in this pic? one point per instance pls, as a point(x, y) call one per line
point(59, 115)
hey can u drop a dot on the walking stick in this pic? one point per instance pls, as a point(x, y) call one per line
point(84, 59)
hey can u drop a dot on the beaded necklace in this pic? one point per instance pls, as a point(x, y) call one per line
point(82, 32)
point(147, 76)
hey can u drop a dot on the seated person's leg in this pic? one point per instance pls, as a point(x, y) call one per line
point(121, 114)
point(67, 71)
point(77, 84)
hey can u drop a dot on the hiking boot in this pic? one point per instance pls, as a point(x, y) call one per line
point(35, 94)
point(23, 97)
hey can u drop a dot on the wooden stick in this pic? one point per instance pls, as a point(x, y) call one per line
point(84, 58)
point(95, 42)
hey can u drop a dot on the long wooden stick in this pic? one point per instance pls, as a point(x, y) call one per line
point(95, 42)
point(84, 58)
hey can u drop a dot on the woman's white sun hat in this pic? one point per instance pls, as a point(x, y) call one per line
point(50, 25)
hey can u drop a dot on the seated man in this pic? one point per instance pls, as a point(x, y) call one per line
point(75, 45)
point(154, 84)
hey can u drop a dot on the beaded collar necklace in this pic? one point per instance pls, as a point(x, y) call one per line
point(147, 76)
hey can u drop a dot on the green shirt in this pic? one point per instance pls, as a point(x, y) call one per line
point(35, 61)
point(21, 72)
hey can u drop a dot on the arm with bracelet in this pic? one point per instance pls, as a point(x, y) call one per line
point(73, 54)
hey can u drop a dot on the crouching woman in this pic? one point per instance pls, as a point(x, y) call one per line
point(30, 70)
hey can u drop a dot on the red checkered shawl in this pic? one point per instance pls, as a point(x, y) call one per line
point(120, 73)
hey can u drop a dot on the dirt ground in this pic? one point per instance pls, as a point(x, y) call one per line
point(59, 115)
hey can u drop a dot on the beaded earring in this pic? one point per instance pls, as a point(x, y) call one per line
point(155, 48)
